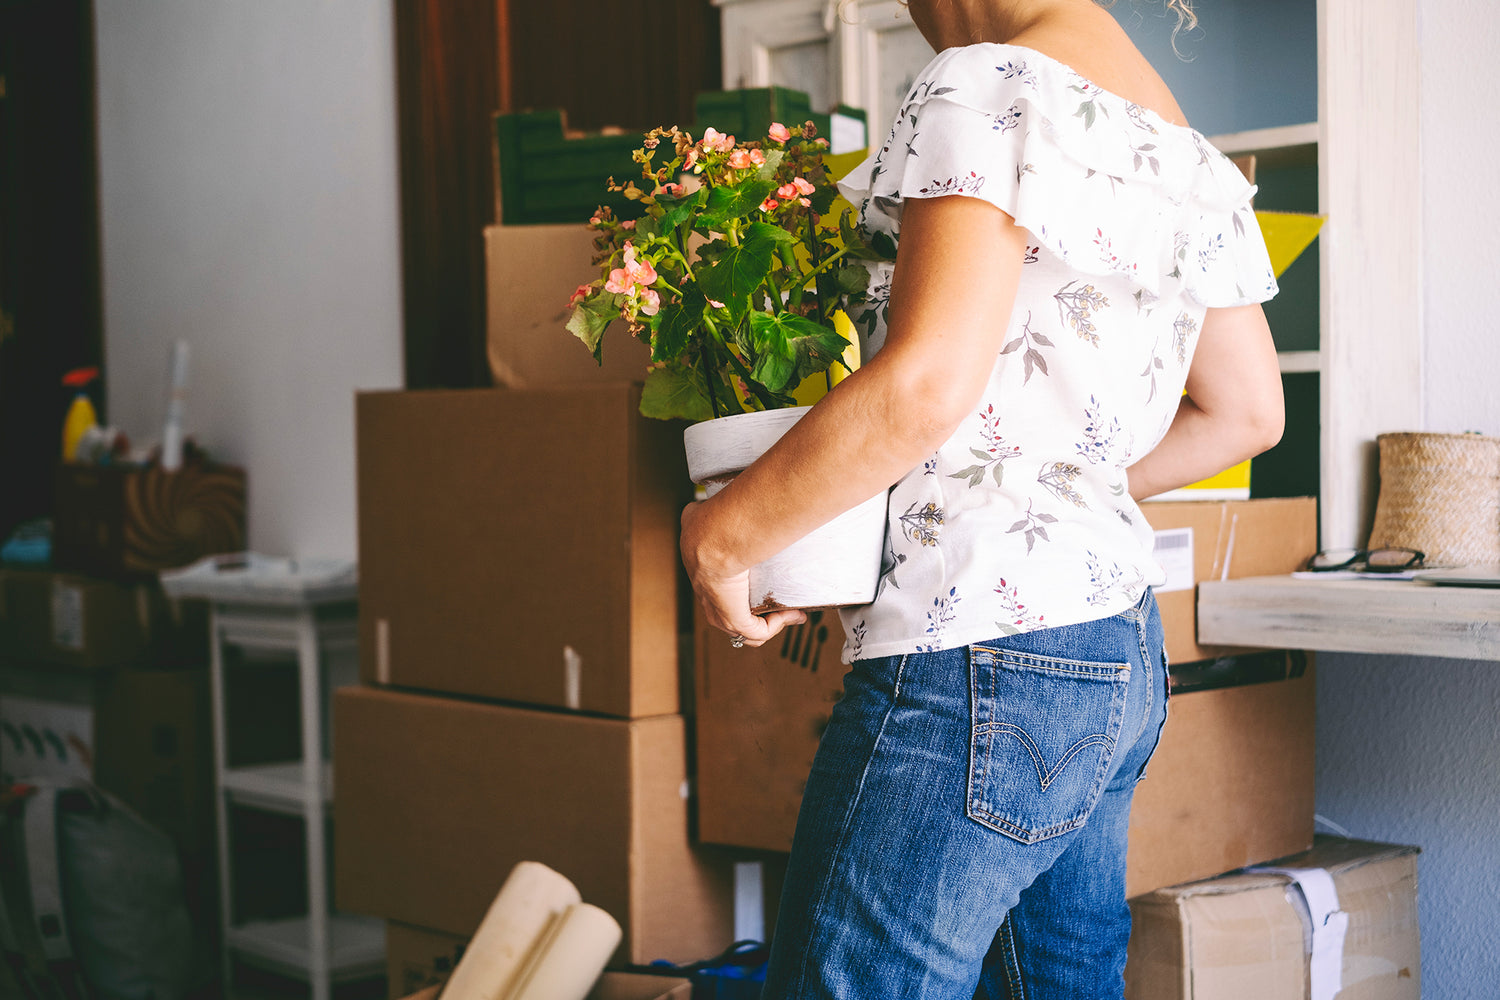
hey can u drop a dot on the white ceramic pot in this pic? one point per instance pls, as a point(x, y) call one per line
point(837, 564)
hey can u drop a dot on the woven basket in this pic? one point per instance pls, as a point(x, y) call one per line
point(1440, 494)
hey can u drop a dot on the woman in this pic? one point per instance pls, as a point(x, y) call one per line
point(1071, 257)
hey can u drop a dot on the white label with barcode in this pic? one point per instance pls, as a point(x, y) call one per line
point(67, 616)
point(1174, 550)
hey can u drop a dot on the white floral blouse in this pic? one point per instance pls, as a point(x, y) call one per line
point(1023, 520)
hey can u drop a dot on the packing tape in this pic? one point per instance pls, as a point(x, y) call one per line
point(572, 678)
point(1329, 925)
point(382, 651)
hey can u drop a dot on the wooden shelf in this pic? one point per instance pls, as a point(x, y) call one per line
point(1403, 617)
point(1299, 361)
point(1287, 146)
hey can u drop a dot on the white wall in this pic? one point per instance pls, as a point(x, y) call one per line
point(249, 204)
point(1407, 746)
point(1461, 205)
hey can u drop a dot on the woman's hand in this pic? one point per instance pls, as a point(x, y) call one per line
point(724, 591)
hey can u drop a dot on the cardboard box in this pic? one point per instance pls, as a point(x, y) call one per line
point(1249, 936)
point(1223, 541)
point(521, 545)
point(1231, 783)
point(532, 271)
point(437, 799)
point(81, 621)
point(418, 959)
point(129, 521)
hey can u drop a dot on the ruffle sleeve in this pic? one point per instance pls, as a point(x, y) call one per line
point(1103, 184)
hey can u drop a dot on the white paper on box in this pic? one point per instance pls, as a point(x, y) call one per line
point(749, 901)
point(67, 616)
point(1329, 925)
point(1174, 551)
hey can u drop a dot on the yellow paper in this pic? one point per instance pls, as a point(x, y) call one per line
point(1287, 235)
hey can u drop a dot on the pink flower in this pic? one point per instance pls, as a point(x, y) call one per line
point(804, 202)
point(739, 159)
point(769, 204)
point(780, 132)
point(672, 190)
point(619, 282)
point(716, 141)
point(690, 161)
point(716, 303)
point(757, 157)
point(579, 294)
point(628, 224)
point(650, 302)
point(802, 185)
point(787, 191)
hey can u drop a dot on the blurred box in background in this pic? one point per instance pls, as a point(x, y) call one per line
point(1198, 541)
point(532, 272)
point(522, 545)
point(80, 621)
point(437, 799)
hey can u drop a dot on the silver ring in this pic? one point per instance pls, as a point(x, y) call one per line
point(736, 641)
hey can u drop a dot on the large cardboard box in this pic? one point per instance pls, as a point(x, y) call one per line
point(1199, 541)
point(437, 799)
point(1231, 783)
point(1251, 936)
point(521, 545)
point(532, 271)
point(72, 620)
point(421, 959)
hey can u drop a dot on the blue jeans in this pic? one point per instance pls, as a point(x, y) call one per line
point(963, 829)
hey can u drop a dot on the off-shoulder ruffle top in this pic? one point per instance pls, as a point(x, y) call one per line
point(1023, 519)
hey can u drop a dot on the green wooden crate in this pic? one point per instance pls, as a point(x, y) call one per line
point(548, 178)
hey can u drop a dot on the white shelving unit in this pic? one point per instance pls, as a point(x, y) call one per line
point(321, 633)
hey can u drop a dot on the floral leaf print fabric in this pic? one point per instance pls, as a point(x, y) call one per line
point(1135, 227)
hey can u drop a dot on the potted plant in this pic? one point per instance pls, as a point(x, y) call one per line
point(738, 275)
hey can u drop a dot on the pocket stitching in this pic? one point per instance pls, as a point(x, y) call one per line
point(1036, 754)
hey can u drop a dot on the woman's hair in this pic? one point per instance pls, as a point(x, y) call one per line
point(1186, 18)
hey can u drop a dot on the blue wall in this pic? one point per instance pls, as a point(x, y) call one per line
point(1249, 64)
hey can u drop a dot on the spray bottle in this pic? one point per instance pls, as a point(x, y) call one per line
point(81, 415)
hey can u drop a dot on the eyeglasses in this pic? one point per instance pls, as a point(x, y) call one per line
point(1366, 560)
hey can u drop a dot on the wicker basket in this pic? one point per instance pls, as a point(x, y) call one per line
point(1440, 493)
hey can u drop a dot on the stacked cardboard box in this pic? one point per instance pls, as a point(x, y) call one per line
point(520, 597)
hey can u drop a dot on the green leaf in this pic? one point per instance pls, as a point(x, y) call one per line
point(822, 199)
point(852, 279)
point(734, 201)
point(672, 393)
point(741, 269)
point(999, 473)
point(589, 319)
point(676, 211)
point(679, 322)
point(767, 170)
point(983, 456)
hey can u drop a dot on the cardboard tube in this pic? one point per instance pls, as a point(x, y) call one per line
point(572, 958)
point(518, 923)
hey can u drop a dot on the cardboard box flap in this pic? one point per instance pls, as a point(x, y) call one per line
point(1338, 856)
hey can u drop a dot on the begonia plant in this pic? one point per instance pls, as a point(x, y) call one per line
point(734, 274)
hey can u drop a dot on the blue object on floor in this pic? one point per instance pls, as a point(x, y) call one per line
point(30, 544)
point(735, 974)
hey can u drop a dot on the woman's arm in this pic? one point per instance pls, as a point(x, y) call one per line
point(953, 290)
point(1232, 411)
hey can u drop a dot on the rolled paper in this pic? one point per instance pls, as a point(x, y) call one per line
point(572, 958)
point(519, 922)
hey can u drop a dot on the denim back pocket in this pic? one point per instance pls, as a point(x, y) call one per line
point(1044, 734)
